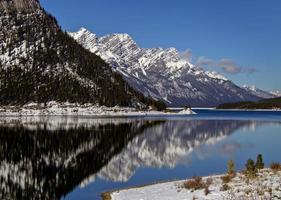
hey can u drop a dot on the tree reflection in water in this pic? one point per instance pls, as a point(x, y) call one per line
point(38, 162)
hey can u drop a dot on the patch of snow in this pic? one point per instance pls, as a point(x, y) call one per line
point(187, 111)
point(239, 188)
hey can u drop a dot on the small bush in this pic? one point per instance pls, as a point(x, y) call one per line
point(226, 179)
point(224, 187)
point(275, 166)
point(106, 196)
point(206, 190)
point(195, 183)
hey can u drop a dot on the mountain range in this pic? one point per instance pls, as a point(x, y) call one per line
point(261, 93)
point(162, 73)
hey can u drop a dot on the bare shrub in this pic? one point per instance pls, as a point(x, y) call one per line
point(106, 196)
point(275, 166)
point(195, 183)
point(226, 179)
point(224, 187)
point(206, 190)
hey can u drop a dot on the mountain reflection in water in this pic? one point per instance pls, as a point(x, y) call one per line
point(46, 158)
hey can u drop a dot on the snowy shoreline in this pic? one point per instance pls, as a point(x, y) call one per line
point(85, 110)
point(268, 183)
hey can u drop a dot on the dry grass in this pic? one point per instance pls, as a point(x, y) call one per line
point(195, 183)
point(226, 179)
point(106, 196)
point(275, 166)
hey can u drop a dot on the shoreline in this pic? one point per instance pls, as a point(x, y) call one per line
point(239, 187)
point(85, 110)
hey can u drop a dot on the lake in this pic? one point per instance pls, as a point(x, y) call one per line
point(79, 158)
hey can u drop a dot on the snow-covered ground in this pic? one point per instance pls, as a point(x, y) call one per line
point(69, 109)
point(266, 186)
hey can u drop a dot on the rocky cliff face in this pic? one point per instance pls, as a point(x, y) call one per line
point(161, 73)
point(41, 63)
point(19, 5)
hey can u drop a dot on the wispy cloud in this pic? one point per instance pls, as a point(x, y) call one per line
point(226, 65)
point(203, 61)
point(230, 67)
point(250, 70)
point(186, 55)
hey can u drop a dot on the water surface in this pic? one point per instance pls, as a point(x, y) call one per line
point(78, 158)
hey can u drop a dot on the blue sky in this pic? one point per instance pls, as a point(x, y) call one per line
point(241, 38)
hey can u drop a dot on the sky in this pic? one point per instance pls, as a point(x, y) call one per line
point(240, 39)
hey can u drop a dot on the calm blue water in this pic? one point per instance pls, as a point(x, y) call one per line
point(76, 158)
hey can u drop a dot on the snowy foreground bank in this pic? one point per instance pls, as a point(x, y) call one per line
point(266, 186)
point(68, 109)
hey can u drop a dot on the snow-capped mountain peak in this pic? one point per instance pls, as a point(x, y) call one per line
point(276, 93)
point(258, 92)
point(85, 36)
point(162, 73)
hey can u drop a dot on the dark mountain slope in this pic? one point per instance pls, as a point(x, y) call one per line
point(41, 63)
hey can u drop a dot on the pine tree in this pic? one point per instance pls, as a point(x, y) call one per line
point(250, 168)
point(259, 162)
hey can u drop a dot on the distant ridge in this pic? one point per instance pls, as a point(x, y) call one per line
point(274, 103)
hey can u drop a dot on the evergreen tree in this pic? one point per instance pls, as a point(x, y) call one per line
point(259, 162)
point(250, 168)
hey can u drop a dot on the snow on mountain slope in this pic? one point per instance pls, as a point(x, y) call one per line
point(276, 93)
point(161, 73)
point(258, 92)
